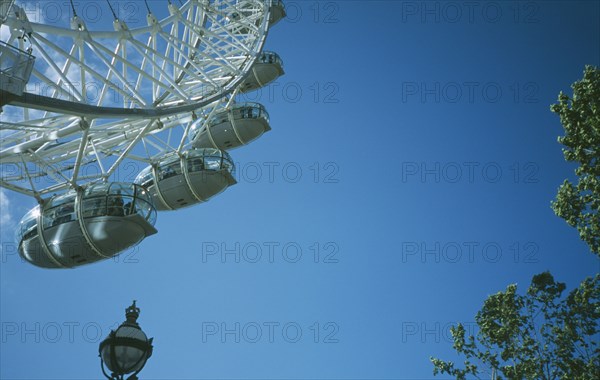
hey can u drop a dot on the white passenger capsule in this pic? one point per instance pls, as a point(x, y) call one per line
point(266, 69)
point(195, 177)
point(244, 10)
point(277, 11)
point(87, 225)
point(231, 128)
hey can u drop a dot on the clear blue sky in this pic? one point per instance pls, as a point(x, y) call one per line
point(428, 159)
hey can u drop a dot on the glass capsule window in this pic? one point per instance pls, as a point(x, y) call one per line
point(196, 160)
point(250, 111)
point(28, 226)
point(270, 58)
point(212, 163)
point(209, 159)
point(240, 111)
point(146, 177)
point(118, 199)
point(220, 117)
point(95, 206)
point(102, 199)
point(168, 169)
point(196, 129)
point(195, 164)
point(59, 210)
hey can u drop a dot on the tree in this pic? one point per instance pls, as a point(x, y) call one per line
point(579, 205)
point(538, 335)
point(541, 335)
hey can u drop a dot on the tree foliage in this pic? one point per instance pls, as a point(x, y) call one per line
point(538, 335)
point(541, 334)
point(579, 205)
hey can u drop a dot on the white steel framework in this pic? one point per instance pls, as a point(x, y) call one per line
point(98, 98)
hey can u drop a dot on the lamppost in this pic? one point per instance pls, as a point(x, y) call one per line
point(126, 349)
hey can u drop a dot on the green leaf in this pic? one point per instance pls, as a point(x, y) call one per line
point(579, 205)
point(539, 335)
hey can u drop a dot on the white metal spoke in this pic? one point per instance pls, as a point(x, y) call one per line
point(96, 48)
point(90, 71)
point(99, 98)
point(52, 64)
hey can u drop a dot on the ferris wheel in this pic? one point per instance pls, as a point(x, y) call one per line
point(77, 104)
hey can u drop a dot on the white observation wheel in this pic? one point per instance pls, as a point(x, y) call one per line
point(99, 94)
